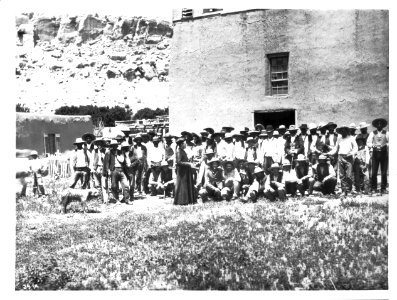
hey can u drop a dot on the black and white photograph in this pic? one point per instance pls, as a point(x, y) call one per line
point(164, 148)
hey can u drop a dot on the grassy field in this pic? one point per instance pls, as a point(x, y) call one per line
point(302, 244)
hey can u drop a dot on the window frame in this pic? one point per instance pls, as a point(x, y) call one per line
point(271, 58)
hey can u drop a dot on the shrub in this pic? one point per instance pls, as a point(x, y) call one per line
point(22, 108)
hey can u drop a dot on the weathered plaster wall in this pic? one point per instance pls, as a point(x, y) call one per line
point(30, 130)
point(338, 67)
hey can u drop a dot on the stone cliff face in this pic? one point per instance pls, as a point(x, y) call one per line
point(91, 59)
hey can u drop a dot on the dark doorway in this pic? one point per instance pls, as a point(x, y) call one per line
point(275, 117)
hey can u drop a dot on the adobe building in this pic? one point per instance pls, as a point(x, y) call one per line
point(276, 67)
point(50, 134)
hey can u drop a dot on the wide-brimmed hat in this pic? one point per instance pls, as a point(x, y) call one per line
point(312, 126)
point(125, 145)
point(99, 141)
point(322, 125)
point(113, 142)
point(138, 137)
point(212, 160)
point(156, 139)
point(259, 127)
point(210, 130)
point(253, 133)
point(144, 134)
point(204, 133)
point(331, 125)
point(281, 127)
point(263, 133)
point(88, 135)
point(151, 132)
point(269, 128)
point(301, 157)
point(362, 125)
point(209, 151)
point(341, 128)
point(292, 128)
point(286, 162)
point(228, 161)
point(34, 153)
point(189, 134)
point(322, 157)
point(287, 133)
point(228, 128)
point(353, 126)
point(180, 140)
point(236, 134)
point(168, 136)
point(276, 133)
point(275, 166)
point(303, 126)
point(79, 141)
point(383, 122)
point(258, 170)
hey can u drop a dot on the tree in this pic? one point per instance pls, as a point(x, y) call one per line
point(104, 113)
point(148, 113)
point(22, 108)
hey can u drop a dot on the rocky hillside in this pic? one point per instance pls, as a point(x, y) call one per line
point(91, 59)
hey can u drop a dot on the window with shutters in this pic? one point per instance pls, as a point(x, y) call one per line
point(278, 73)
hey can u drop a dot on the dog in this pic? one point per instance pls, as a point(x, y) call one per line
point(81, 195)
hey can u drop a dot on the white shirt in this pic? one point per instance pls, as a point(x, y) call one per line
point(156, 154)
point(239, 151)
point(345, 146)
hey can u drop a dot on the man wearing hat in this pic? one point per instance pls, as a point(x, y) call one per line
point(270, 149)
point(262, 137)
point(229, 146)
point(352, 129)
point(363, 127)
point(312, 143)
point(251, 151)
point(324, 176)
point(346, 148)
point(282, 129)
point(39, 168)
point(329, 139)
point(257, 187)
point(115, 164)
point(239, 147)
point(138, 156)
point(304, 174)
point(169, 149)
point(162, 180)
point(318, 144)
point(246, 170)
point(360, 165)
point(293, 144)
point(89, 138)
point(259, 127)
point(289, 178)
point(228, 129)
point(231, 181)
point(305, 138)
point(213, 182)
point(155, 156)
point(100, 181)
point(274, 186)
point(207, 156)
point(209, 130)
point(80, 163)
point(378, 145)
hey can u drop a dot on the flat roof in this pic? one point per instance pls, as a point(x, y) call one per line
point(217, 13)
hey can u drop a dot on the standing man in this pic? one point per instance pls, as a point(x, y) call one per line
point(80, 163)
point(360, 165)
point(312, 143)
point(305, 138)
point(294, 145)
point(346, 148)
point(270, 149)
point(378, 144)
point(138, 155)
point(39, 168)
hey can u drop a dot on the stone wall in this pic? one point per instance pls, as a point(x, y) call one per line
point(338, 67)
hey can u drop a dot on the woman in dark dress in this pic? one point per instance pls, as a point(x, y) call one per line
point(184, 186)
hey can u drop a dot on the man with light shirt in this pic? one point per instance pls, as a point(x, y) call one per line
point(346, 148)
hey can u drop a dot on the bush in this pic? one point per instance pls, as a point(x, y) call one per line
point(103, 113)
point(147, 113)
point(22, 108)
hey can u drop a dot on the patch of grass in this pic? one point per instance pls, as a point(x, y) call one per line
point(221, 246)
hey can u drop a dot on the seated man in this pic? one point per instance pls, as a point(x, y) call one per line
point(289, 178)
point(213, 183)
point(273, 184)
point(325, 176)
point(161, 180)
point(232, 181)
point(257, 187)
point(246, 175)
point(304, 174)
point(207, 156)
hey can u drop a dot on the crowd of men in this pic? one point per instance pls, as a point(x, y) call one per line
point(241, 164)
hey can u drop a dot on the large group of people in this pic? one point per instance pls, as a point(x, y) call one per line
point(230, 164)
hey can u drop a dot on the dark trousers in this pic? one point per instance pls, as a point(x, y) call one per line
point(379, 158)
point(117, 176)
point(136, 177)
point(345, 167)
point(326, 187)
point(80, 174)
point(267, 162)
point(360, 177)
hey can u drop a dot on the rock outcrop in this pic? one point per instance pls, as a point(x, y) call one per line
point(92, 59)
